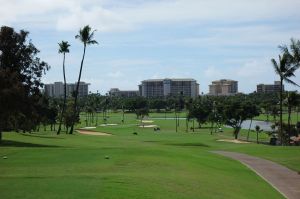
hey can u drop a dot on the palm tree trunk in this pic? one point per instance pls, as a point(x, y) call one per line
point(280, 122)
point(297, 111)
point(96, 118)
point(176, 121)
point(187, 125)
point(289, 123)
point(212, 127)
point(76, 92)
point(65, 97)
point(193, 125)
point(249, 130)
point(123, 117)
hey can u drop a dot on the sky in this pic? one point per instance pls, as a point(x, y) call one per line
point(143, 39)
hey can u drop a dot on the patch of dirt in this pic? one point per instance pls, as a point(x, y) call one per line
point(148, 126)
point(89, 127)
point(147, 121)
point(108, 125)
point(233, 141)
point(82, 131)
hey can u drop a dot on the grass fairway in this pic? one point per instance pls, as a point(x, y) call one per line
point(147, 165)
point(295, 117)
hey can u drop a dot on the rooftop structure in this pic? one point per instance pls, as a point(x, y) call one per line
point(269, 88)
point(123, 93)
point(169, 87)
point(57, 89)
point(223, 87)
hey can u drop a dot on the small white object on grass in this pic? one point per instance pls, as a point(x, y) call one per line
point(106, 157)
point(4, 157)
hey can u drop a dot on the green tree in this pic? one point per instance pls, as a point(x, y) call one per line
point(292, 101)
point(252, 111)
point(63, 48)
point(285, 70)
point(258, 130)
point(200, 110)
point(235, 113)
point(69, 119)
point(86, 36)
point(20, 81)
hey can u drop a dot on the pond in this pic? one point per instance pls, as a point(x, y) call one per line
point(266, 126)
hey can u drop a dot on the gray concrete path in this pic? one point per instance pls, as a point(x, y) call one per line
point(286, 181)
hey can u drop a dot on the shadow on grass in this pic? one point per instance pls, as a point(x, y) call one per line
point(10, 143)
point(151, 141)
point(189, 144)
point(41, 136)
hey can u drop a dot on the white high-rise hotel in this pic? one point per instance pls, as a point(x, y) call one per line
point(169, 87)
point(57, 89)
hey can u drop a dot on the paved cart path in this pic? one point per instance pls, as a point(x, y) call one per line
point(286, 181)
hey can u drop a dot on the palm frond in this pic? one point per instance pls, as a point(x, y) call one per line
point(290, 81)
point(86, 36)
point(276, 67)
point(92, 42)
point(295, 48)
point(291, 71)
point(284, 48)
point(64, 47)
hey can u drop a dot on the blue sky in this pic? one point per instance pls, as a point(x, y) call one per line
point(139, 39)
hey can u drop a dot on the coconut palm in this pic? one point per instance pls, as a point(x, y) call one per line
point(294, 51)
point(292, 101)
point(86, 36)
point(63, 48)
point(285, 70)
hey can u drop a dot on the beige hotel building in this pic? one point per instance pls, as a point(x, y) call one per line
point(223, 87)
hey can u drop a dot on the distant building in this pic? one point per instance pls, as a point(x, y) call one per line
point(125, 94)
point(57, 89)
point(223, 87)
point(269, 88)
point(169, 87)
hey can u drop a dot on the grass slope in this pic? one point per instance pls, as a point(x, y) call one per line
point(148, 165)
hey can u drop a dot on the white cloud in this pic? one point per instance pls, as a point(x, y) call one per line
point(227, 23)
point(115, 74)
point(248, 73)
point(213, 72)
point(123, 16)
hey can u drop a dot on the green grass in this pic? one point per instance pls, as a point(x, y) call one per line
point(294, 117)
point(148, 165)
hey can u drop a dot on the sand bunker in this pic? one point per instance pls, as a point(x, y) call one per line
point(234, 141)
point(147, 121)
point(108, 125)
point(92, 133)
point(148, 126)
point(89, 127)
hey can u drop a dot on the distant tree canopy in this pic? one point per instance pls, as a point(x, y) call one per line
point(20, 81)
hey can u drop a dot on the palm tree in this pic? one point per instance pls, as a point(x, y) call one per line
point(257, 129)
point(63, 48)
point(292, 101)
point(294, 51)
point(86, 36)
point(285, 70)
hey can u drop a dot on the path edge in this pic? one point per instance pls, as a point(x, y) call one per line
point(252, 169)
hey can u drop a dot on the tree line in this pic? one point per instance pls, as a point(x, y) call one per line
point(25, 108)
